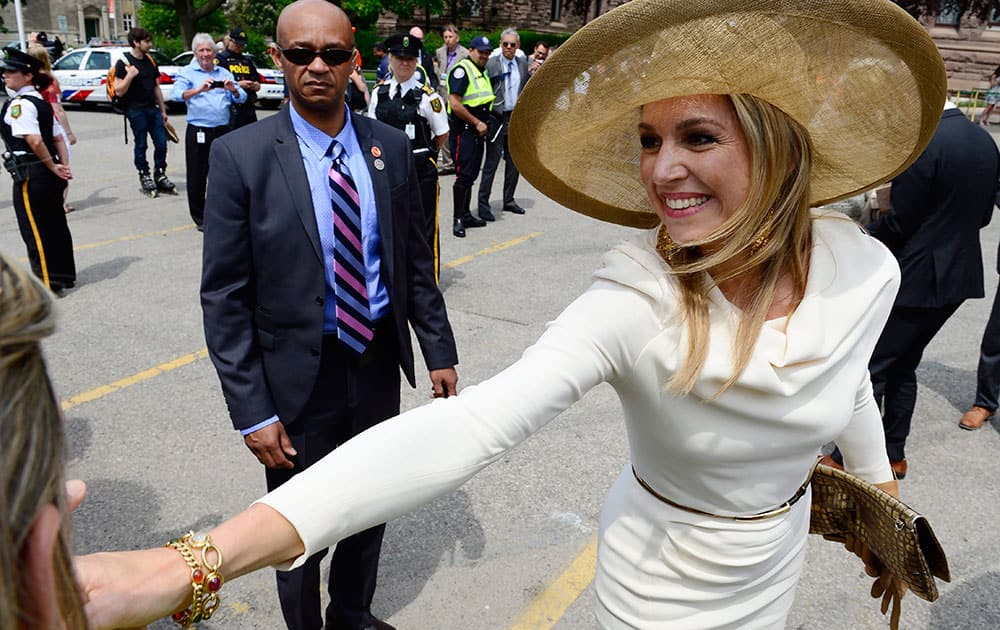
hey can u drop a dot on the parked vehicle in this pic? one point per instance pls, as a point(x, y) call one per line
point(83, 72)
point(272, 81)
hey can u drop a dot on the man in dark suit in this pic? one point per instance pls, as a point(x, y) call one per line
point(987, 372)
point(314, 262)
point(938, 205)
point(508, 73)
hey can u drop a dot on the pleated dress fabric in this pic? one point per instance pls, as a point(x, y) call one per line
point(743, 452)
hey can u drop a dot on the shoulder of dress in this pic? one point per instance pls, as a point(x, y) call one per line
point(427, 90)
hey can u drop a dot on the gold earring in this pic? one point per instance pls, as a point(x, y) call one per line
point(665, 246)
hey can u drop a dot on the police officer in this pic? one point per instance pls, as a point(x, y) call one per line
point(402, 101)
point(245, 74)
point(470, 98)
point(39, 164)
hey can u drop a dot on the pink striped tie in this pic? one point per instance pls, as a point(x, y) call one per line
point(354, 325)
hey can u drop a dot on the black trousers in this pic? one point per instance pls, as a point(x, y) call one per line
point(893, 368)
point(196, 162)
point(352, 393)
point(988, 372)
point(494, 151)
point(38, 205)
point(427, 179)
point(467, 152)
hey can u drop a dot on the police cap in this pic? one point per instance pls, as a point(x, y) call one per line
point(402, 45)
point(20, 61)
point(239, 36)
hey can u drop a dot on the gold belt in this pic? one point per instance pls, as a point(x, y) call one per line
point(781, 509)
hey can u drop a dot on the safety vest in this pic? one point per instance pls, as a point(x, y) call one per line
point(479, 92)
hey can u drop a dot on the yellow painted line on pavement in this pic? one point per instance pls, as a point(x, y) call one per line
point(549, 607)
point(128, 381)
point(145, 375)
point(123, 239)
point(134, 237)
point(491, 250)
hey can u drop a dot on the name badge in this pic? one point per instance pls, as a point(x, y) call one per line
point(411, 131)
point(200, 137)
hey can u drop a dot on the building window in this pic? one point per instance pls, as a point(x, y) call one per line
point(993, 20)
point(127, 21)
point(557, 10)
point(949, 13)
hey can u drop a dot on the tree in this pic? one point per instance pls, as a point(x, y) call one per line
point(262, 15)
point(188, 13)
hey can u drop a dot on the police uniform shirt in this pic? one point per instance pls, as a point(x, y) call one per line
point(431, 107)
point(22, 115)
point(241, 68)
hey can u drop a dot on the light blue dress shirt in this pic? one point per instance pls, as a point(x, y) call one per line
point(314, 146)
point(211, 108)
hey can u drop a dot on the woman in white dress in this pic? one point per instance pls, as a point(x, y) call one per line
point(736, 329)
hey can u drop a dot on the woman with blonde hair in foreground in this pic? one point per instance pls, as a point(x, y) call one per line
point(36, 578)
point(736, 327)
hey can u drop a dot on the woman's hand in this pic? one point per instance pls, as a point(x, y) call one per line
point(887, 586)
point(132, 588)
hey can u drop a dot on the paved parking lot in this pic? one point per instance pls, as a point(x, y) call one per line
point(149, 430)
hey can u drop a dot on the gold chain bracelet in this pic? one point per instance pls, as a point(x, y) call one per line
point(206, 580)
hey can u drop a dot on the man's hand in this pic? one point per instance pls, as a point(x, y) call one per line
point(271, 445)
point(229, 86)
point(131, 71)
point(62, 171)
point(444, 382)
point(249, 86)
point(481, 128)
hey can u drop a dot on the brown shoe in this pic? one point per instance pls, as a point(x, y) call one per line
point(975, 418)
point(898, 468)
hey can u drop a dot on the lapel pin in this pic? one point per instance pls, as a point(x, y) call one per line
point(376, 152)
point(379, 164)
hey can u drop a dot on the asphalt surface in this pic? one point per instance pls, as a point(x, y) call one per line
point(160, 456)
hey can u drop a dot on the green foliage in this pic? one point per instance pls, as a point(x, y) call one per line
point(257, 15)
point(170, 46)
point(163, 23)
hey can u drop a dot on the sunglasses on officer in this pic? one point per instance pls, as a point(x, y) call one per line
point(304, 56)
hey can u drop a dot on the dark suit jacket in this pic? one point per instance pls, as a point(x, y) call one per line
point(496, 69)
point(939, 204)
point(263, 286)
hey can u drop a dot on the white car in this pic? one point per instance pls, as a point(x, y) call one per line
point(272, 82)
point(83, 72)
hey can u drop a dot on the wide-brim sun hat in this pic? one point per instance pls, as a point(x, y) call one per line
point(861, 76)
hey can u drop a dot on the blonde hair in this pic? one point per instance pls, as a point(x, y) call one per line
point(40, 53)
point(768, 238)
point(32, 455)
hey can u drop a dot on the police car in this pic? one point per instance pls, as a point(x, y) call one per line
point(272, 82)
point(83, 72)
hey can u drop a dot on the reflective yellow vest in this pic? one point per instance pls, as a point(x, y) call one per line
point(479, 91)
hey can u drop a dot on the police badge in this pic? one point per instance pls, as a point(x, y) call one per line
point(436, 104)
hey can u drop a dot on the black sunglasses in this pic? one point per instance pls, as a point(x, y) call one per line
point(304, 56)
point(508, 44)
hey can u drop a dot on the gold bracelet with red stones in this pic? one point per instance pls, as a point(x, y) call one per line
point(206, 580)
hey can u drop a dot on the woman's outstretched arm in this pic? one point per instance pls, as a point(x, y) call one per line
point(133, 588)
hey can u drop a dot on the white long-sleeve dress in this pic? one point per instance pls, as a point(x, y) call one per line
point(742, 453)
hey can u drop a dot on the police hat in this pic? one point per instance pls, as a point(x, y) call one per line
point(402, 45)
point(20, 61)
point(239, 36)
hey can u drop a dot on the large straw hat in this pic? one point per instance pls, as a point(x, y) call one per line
point(861, 75)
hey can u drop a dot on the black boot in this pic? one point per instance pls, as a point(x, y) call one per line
point(468, 219)
point(459, 195)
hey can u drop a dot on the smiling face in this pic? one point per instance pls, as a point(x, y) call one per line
point(316, 26)
point(205, 53)
point(695, 163)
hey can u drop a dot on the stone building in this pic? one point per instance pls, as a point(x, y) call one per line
point(969, 46)
point(545, 16)
point(75, 21)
